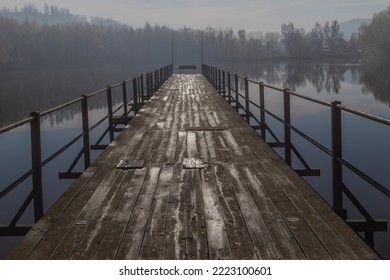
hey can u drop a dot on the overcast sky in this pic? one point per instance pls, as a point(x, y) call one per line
point(252, 15)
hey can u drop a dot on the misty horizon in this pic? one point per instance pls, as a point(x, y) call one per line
point(250, 15)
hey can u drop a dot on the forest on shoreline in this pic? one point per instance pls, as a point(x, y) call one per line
point(52, 37)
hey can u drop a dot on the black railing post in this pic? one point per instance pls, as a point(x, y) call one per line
point(229, 88)
point(223, 84)
point(147, 86)
point(110, 114)
point(337, 172)
point(247, 112)
point(216, 78)
point(219, 81)
point(155, 81)
point(262, 112)
point(158, 79)
point(86, 142)
point(236, 83)
point(142, 89)
point(287, 129)
point(135, 96)
point(139, 91)
point(152, 82)
point(36, 165)
point(125, 102)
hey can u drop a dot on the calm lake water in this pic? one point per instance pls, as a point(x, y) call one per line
point(361, 85)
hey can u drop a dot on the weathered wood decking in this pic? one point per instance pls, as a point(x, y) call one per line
point(245, 204)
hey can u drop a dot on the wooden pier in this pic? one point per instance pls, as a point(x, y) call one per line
point(210, 188)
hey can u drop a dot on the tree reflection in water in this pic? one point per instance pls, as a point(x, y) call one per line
point(375, 79)
point(372, 74)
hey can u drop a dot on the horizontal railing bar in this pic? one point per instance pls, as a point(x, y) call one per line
point(365, 114)
point(311, 140)
point(14, 231)
point(254, 82)
point(274, 88)
point(116, 85)
point(365, 177)
point(98, 123)
point(274, 116)
point(242, 96)
point(17, 182)
point(117, 109)
point(96, 92)
point(329, 152)
point(15, 125)
point(325, 103)
point(67, 104)
point(254, 104)
point(128, 80)
point(60, 151)
point(160, 76)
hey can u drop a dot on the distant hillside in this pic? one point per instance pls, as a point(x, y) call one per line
point(52, 15)
point(352, 26)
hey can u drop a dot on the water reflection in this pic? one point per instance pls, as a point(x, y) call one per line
point(359, 84)
point(373, 75)
point(23, 92)
point(375, 79)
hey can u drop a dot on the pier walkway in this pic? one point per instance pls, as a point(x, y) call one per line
point(210, 188)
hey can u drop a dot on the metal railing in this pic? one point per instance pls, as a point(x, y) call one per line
point(227, 84)
point(143, 87)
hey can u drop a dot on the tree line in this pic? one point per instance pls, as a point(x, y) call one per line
point(30, 37)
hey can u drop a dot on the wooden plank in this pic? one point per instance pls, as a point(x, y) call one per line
point(336, 246)
point(95, 229)
point(170, 150)
point(153, 242)
point(113, 236)
point(307, 240)
point(196, 239)
point(222, 147)
point(283, 237)
point(35, 235)
point(192, 151)
point(161, 149)
point(218, 242)
point(181, 147)
point(175, 242)
point(245, 204)
point(237, 231)
point(87, 204)
point(202, 145)
point(211, 146)
point(71, 236)
point(257, 228)
point(355, 243)
point(133, 236)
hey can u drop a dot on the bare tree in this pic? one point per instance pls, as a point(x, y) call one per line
point(333, 35)
point(376, 35)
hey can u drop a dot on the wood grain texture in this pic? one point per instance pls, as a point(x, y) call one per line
point(244, 203)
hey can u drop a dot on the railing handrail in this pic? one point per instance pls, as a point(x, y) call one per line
point(316, 100)
point(216, 76)
point(147, 83)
